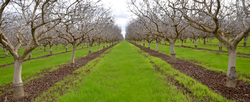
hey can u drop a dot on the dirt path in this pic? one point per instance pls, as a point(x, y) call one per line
point(36, 87)
point(214, 80)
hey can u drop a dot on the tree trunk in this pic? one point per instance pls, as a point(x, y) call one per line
point(56, 47)
point(44, 48)
point(17, 79)
point(98, 46)
point(181, 42)
point(148, 45)
point(220, 46)
point(107, 44)
point(245, 41)
point(195, 43)
point(143, 43)
point(199, 40)
point(104, 45)
point(30, 53)
point(173, 59)
point(156, 48)
point(66, 48)
point(6, 53)
point(41, 47)
point(185, 41)
point(112, 43)
point(204, 41)
point(3, 49)
point(50, 50)
point(72, 61)
point(231, 77)
point(90, 49)
point(207, 39)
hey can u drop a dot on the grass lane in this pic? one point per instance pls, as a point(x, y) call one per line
point(34, 66)
point(215, 45)
point(210, 60)
point(124, 75)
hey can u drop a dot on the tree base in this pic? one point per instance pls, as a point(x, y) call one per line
point(220, 49)
point(231, 82)
point(18, 90)
point(195, 46)
point(173, 59)
point(244, 44)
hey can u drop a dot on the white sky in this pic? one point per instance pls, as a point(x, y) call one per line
point(121, 12)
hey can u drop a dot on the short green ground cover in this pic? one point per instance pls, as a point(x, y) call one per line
point(207, 59)
point(125, 75)
point(37, 53)
point(214, 45)
point(34, 66)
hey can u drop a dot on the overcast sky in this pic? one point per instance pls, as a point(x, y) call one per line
point(121, 12)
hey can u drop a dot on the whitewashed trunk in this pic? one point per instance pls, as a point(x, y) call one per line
point(143, 43)
point(98, 46)
point(6, 53)
point(17, 79)
point(172, 52)
point(231, 75)
point(104, 45)
point(220, 46)
point(89, 48)
point(156, 48)
point(195, 43)
point(30, 53)
point(72, 61)
point(50, 50)
point(148, 45)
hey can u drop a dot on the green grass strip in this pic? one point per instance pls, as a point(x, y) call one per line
point(207, 59)
point(199, 91)
point(124, 75)
point(34, 66)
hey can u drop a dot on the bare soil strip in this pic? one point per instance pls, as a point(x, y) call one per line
point(36, 87)
point(214, 80)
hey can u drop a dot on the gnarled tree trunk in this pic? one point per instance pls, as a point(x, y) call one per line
point(17, 79)
point(98, 46)
point(245, 41)
point(6, 53)
point(220, 46)
point(30, 53)
point(149, 45)
point(181, 42)
point(143, 43)
point(50, 50)
point(195, 43)
point(72, 61)
point(231, 77)
point(173, 59)
point(90, 49)
point(156, 48)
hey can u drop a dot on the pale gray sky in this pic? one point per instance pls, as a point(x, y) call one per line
point(121, 12)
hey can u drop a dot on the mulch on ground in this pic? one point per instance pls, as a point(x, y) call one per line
point(214, 80)
point(36, 87)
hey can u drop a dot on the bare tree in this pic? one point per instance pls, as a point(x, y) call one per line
point(217, 11)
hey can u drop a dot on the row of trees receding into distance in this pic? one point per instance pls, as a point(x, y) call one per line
point(172, 20)
point(29, 24)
